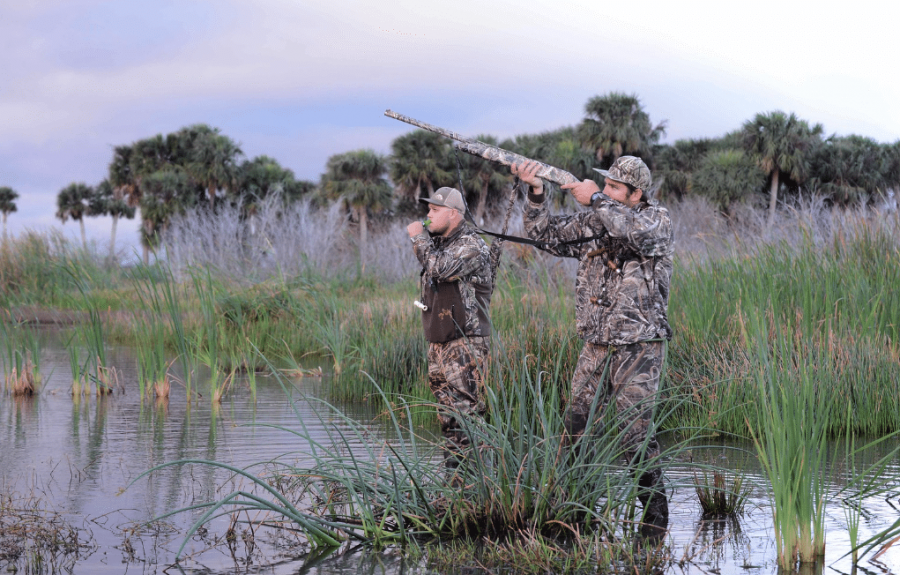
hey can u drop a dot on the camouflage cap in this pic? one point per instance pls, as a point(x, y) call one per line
point(447, 197)
point(629, 170)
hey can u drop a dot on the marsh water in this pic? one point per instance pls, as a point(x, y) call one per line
point(74, 461)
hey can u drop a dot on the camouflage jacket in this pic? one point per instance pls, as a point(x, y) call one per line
point(622, 287)
point(456, 269)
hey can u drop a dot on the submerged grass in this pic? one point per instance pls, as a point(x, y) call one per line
point(36, 540)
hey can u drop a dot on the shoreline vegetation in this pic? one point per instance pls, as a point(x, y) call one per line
point(822, 281)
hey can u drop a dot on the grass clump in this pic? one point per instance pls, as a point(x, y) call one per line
point(791, 440)
point(524, 483)
point(21, 358)
point(717, 498)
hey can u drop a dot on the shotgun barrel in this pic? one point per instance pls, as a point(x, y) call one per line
point(489, 152)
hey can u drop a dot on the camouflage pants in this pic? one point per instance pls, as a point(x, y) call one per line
point(455, 371)
point(629, 376)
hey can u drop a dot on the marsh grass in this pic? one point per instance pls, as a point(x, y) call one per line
point(791, 439)
point(163, 312)
point(21, 358)
point(97, 369)
point(523, 480)
point(826, 276)
point(716, 497)
point(833, 296)
point(76, 368)
point(332, 334)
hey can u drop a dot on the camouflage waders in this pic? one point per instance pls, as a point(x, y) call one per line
point(629, 376)
point(455, 374)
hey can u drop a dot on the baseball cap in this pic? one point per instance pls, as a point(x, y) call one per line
point(629, 170)
point(447, 197)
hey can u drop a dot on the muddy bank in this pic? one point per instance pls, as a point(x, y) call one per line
point(42, 316)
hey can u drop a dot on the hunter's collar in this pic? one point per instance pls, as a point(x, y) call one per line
point(454, 233)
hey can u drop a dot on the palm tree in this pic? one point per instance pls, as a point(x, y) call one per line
point(7, 204)
point(122, 176)
point(617, 125)
point(727, 176)
point(263, 176)
point(73, 202)
point(851, 168)
point(107, 200)
point(780, 144)
point(676, 164)
point(152, 154)
point(166, 192)
point(357, 178)
point(419, 164)
point(209, 158)
point(892, 151)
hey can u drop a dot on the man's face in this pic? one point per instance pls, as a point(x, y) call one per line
point(443, 219)
point(619, 192)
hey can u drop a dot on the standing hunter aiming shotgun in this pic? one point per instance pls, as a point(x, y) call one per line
point(624, 246)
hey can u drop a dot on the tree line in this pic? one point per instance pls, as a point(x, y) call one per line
point(771, 155)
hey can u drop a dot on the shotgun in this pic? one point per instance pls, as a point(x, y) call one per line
point(488, 152)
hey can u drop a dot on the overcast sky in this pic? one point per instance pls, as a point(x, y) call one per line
point(300, 80)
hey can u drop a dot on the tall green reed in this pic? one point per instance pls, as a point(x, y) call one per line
point(207, 343)
point(76, 368)
point(104, 376)
point(153, 362)
point(791, 435)
point(158, 293)
point(332, 335)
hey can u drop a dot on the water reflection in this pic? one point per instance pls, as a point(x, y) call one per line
point(80, 453)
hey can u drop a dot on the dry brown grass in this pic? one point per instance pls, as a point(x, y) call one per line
point(107, 379)
point(162, 388)
point(21, 383)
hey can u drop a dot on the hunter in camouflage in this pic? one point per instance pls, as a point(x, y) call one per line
point(624, 247)
point(456, 286)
